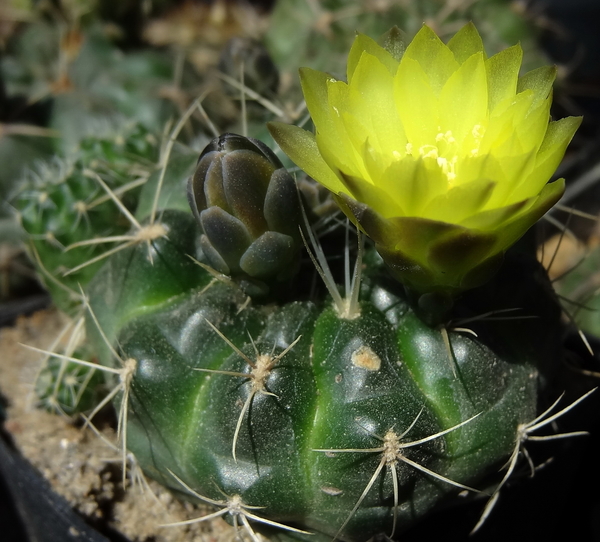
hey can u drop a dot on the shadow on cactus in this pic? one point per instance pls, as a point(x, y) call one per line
point(351, 414)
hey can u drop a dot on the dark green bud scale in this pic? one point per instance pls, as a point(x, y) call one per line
point(248, 207)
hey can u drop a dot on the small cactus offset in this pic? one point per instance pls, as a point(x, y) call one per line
point(70, 217)
point(253, 368)
point(68, 388)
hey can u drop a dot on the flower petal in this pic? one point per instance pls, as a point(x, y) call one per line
point(532, 128)
point(416, 103)
point(314, 88)
point(371, 99)
point(302, 148)
point(499, 136)
point(357, 133)
point(364, 44)
point(465, 43)
point(373, 196)
point(464, 98)
point(558, 136)
point(460, 202)
point(514, 170)
point(411, 184)
point(525, 213)
point(540, 81)
point(537, 206)
point(482, 166)
point(493, 219)
point(344, 148)
point(503, 72)
point(435, 58)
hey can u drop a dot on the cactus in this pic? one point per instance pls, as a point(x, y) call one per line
point(349, 419)
point(349, 426)
point(297, 410)
point(69, 216)
point(578, 287)
point(68, 388)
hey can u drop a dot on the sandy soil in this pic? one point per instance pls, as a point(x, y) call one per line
point(78, 464)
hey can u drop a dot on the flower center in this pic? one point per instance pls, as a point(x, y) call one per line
point(477, 133)
point(446, 150)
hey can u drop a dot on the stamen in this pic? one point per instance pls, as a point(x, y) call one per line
point(477, 131)
point(429, 151)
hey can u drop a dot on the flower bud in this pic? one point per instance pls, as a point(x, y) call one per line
point(248, 207)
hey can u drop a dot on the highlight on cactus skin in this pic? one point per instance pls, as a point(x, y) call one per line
point(345, 410)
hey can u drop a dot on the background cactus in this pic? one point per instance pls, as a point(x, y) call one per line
point(72, 219)
point(347, 418)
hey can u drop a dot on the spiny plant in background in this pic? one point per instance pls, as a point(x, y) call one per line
point(79, 212)
point(354, 410)
point(319, 34)
point(68, 93)
point(78, 69)
point(71, 220)
point(572, 266)
point(67, 211)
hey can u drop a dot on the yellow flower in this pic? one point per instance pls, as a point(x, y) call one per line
point(438, 153)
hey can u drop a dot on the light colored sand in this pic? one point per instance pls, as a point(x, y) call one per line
point(76, 462)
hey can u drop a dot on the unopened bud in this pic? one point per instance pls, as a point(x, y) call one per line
point(248, 207)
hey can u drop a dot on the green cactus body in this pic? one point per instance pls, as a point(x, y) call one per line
point(580, 287)
point(298, 419)
point(64, 206)
point(50, 214)
point(68, 387)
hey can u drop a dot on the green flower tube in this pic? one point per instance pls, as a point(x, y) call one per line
point(438, 153)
